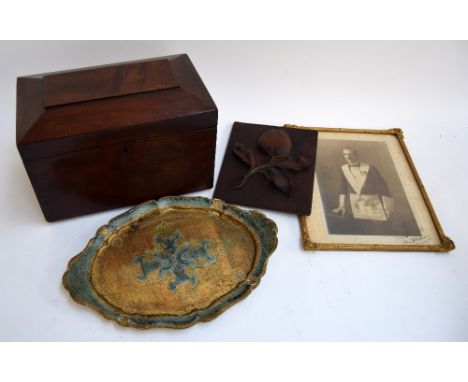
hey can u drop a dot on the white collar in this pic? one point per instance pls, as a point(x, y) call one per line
point(356, 182)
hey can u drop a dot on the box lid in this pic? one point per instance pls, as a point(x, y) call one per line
point(73, 110)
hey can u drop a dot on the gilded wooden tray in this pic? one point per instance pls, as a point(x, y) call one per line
point(172, 262)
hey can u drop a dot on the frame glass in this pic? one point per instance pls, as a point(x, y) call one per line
point(368, 196)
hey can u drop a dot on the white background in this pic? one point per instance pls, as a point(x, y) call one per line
point(421, 87)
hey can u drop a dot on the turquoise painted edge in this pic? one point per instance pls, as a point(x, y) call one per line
point(76, 279)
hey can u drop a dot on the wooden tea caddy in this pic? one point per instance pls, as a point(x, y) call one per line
point(104, 137)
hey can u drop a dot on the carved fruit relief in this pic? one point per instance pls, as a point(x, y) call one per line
point(277, 170)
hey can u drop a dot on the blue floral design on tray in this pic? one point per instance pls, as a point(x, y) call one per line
point(174, 258)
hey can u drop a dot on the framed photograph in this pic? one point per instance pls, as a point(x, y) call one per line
point(368, 196)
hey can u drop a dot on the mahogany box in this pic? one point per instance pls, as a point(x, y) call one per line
point(104, 137)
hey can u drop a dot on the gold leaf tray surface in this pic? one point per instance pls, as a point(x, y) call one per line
point(172, 262)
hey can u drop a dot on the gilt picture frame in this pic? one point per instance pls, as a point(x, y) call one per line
point(368, 195)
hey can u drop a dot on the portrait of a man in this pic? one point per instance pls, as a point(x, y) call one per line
point(361, 191)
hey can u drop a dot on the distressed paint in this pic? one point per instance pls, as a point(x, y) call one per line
point(173, 259)
point(77, 278)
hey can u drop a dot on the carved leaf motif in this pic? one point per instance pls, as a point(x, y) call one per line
point(279, 179)
point(295, 164)
point(244, 154)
